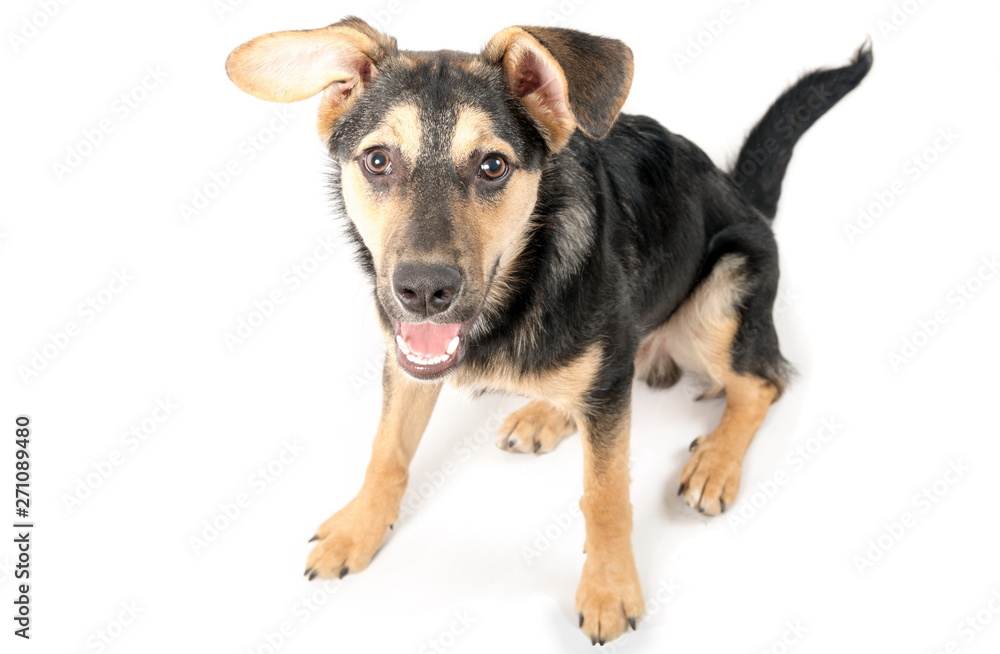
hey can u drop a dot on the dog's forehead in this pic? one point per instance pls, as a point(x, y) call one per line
point(441, 87)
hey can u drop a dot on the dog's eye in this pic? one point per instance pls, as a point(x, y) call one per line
point(494, 167)
point(377, 162)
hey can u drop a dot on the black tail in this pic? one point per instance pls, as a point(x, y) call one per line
point(761, 165)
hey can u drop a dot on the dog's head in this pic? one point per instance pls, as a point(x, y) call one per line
point(439, 155)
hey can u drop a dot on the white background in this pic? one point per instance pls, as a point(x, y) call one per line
point(463, 561)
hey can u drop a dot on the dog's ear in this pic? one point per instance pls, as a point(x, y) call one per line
point(565, 78)
point(339, 60)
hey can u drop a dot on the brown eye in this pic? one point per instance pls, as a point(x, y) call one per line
point(377, 162)
point(494, 167)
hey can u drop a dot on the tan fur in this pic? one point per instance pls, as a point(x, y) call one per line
point(609, 597)
point(711, 479)
point(513, 48)
point(293, 65)
point(349, 539)
point(495, 230)
point(474, 133)
point(536, 427)
point(699, 336)
point(400, 127)
point(565, 388)
point(375, 216)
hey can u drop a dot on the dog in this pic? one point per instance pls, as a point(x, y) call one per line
point(523, 236)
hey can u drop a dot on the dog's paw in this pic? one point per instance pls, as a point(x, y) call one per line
point(711, 479)
point(536, 427)
point(346, 542)
point(609, 599)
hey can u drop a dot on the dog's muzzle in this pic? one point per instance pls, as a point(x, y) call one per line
point(427, 349)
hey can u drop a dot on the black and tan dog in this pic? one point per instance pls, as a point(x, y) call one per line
point(522, 237)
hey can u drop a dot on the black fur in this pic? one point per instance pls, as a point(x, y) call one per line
point(762, 161)
point(624, 228)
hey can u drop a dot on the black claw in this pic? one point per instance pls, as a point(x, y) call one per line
point(682, 489)
point(312, 575)
point(344, 571)
point(315, 537)
point(631, 623)
point(593, 640)
point(510, 443)
point(601, 642)
point(581, 619)
point(723, 503)
point(392, 525)
point(308, 570)
point(701, 509)
point(693, 445)
point(538, 446)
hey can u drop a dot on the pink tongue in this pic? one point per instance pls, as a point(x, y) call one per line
point(427, 337)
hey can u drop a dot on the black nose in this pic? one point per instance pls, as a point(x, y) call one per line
point(426, 289)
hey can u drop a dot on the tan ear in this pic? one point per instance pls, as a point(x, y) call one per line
point(565, 78)
point(288, 66)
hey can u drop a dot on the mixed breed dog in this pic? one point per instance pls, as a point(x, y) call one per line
point(522, 236)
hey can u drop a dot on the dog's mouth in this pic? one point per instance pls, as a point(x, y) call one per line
point(428, 350)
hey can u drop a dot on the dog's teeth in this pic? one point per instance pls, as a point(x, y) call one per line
point(403, 347)
point(424, 359)
point(453, 346)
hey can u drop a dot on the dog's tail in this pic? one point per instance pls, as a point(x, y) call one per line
point(762, 161)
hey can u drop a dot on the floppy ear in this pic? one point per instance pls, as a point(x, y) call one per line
point(565, 78)
point(338, 60)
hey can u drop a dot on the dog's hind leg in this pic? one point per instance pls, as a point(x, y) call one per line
point(711, 479)
point(536, 427)
point(725, 332)
point(350, 538)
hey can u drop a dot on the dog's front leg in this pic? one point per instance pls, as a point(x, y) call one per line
point(349, 539)
point(609, 598)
